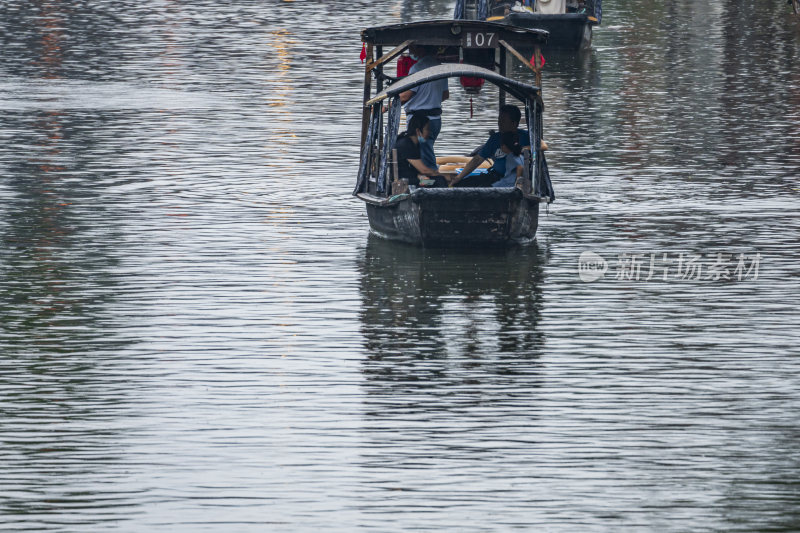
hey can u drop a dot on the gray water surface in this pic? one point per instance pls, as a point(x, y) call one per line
point(199, 334)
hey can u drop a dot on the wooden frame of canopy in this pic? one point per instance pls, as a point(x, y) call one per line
point(374, 162)
point(465, 39)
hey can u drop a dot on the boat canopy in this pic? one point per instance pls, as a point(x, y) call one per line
point(462, 45)
point(521, 91)
point(466, 33)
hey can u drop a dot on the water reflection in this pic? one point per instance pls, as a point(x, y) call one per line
point(49, 25)
point(453, 348)
point(440, 323)
point(62, 386)
point(443, 329)
point(194, 335)
point(432, 303)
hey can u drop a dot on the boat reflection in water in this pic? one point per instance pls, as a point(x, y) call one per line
point(432, 311)
point(453, 376)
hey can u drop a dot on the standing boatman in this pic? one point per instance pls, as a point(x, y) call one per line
point(426, 99)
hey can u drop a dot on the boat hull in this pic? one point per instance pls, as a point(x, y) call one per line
point(466, 217)
point(570, 31)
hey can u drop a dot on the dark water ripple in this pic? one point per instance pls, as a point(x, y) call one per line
point(199, 335)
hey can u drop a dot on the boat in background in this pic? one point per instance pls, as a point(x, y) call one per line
point(569, 22)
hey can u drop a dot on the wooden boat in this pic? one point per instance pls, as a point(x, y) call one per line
point(570, 27)
point(450, 217)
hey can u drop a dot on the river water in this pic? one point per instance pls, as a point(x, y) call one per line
point(199, 334)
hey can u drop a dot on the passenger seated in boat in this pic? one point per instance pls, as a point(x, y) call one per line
point(576, 6)
point(509, 145)
point(502, 8)
point(507, 122)
point(409, 159)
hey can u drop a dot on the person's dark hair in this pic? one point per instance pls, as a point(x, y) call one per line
point(510, 139)
point(416, 122)
point(512, 111)
point(424, 48)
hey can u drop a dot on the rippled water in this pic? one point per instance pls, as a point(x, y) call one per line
point(198, 334)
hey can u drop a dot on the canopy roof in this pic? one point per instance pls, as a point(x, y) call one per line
point(518, 89)
point(453, 33)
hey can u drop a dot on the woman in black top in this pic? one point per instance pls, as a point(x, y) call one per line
point(409, 162)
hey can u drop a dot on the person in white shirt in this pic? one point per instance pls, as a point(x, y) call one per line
point(426, 99)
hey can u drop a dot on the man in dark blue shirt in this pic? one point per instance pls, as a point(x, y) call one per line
point(508, 120)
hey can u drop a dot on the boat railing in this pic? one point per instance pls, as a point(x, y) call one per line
point(378, 166)
point(380, 129)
